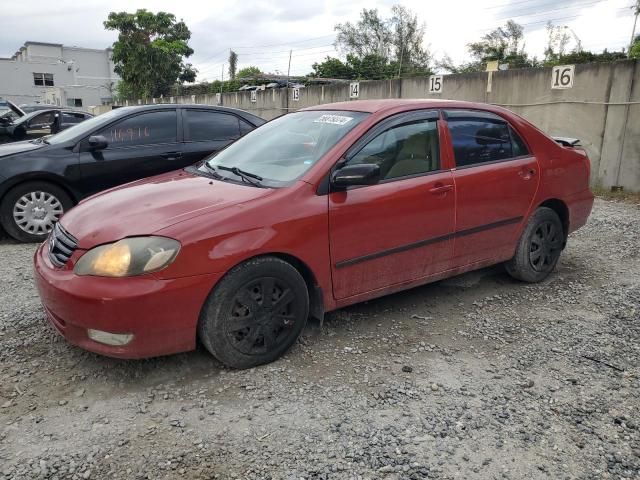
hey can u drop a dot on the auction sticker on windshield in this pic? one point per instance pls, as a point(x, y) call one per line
point(333, 119)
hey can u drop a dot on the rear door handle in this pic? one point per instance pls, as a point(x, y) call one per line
point(172, 155)
point(440, 189)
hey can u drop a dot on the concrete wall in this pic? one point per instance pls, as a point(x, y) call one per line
point(602, 108)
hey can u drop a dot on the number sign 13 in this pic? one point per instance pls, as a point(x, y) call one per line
point(435, 84)
point(562, 76)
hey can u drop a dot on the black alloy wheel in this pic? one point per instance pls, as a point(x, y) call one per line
point(255, 313)
point(546, 245)
point(539, 247)
point(262, 316)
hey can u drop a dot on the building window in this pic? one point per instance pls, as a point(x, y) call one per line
point(43, 79)
point(74, 102)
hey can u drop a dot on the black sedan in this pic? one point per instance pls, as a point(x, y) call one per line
point(41, 179)
point(40, 123)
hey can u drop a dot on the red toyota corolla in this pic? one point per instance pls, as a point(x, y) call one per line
point(313, 211)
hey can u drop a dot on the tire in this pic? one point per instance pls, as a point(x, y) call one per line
point(48, 201)
point(539, 247)
point(235, 319)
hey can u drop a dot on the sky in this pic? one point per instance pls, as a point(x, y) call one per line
point(263, 32)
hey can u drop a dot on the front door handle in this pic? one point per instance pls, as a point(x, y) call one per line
point(527, 173)
point(172, 155)
point(439, 188)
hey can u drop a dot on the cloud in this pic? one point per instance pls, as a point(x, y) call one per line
point(262, 33)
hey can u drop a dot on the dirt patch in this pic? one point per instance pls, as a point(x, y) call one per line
point(473, 377)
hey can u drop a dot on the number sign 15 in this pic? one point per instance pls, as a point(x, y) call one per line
point(562, 76)
point(354, 90)
point(435, 84)
point(296, 94)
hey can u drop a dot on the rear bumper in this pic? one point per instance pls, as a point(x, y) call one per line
point(162, 315)
point(580, 206)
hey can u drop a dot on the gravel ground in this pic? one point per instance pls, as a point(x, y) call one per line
point(473, 377)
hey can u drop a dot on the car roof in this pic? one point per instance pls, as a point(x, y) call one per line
point(382, 105)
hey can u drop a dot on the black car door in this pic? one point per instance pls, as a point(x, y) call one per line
point(138, 146)
point(209, 131)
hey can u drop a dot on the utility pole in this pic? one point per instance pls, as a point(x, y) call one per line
point(222, 81)
point(288, 75)
point(633, 32)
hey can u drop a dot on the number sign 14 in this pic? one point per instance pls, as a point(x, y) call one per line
point(562, 76)
point(354, 90)
point(435, 84)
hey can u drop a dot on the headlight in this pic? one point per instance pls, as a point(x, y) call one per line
point(128, 257)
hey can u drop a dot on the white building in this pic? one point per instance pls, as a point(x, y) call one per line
point(55, 74)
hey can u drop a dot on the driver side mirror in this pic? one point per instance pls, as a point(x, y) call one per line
point(98, 142)
point(362, 174)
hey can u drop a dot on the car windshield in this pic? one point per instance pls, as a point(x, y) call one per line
point(82, 129)
point(284, 149)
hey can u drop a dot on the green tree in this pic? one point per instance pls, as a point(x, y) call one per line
point(369, 36)
point(504, 44)
point(333, 68)
point(149, 53)
point(248, 72)
point(635, 48)
point(233, 64)
point(383, 48)
point(407, 39)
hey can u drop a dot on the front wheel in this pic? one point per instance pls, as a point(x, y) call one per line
point(539, 247)
point(255, 314)
point(30, 210)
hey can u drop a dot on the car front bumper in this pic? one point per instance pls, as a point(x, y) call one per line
point(162, 315)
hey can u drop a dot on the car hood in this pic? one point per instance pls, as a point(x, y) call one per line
point(149, 205)
point(7, 149)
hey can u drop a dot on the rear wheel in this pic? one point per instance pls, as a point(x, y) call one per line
point(539, 247)
point(29, 211)
point(255, 314)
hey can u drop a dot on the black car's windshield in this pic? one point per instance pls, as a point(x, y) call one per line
point(85, 127)
point(284, 149)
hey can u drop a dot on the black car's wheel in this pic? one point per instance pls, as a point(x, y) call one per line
point(539, 247)
point(30, 210)
point(255, 314)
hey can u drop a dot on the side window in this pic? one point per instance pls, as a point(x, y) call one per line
point(408, 149)
point(145, 129)
point(43, 119)
point(245, 128)
point(203, 125)
point(481, 140)
point(517, 145)
point(71, 118)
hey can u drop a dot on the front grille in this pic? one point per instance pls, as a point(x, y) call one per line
point(61, 246)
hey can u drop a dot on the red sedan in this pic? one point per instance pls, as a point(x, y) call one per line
point(313, 211)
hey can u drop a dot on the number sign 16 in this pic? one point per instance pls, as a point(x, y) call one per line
point(562, 76)
point(254, 96)
point(435, 84)
point(354, 90)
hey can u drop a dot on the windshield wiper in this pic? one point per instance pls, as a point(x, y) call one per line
point(211, 170)
point(244, 175)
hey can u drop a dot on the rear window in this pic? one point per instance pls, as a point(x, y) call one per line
point(482, 137)
point(202, 125)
